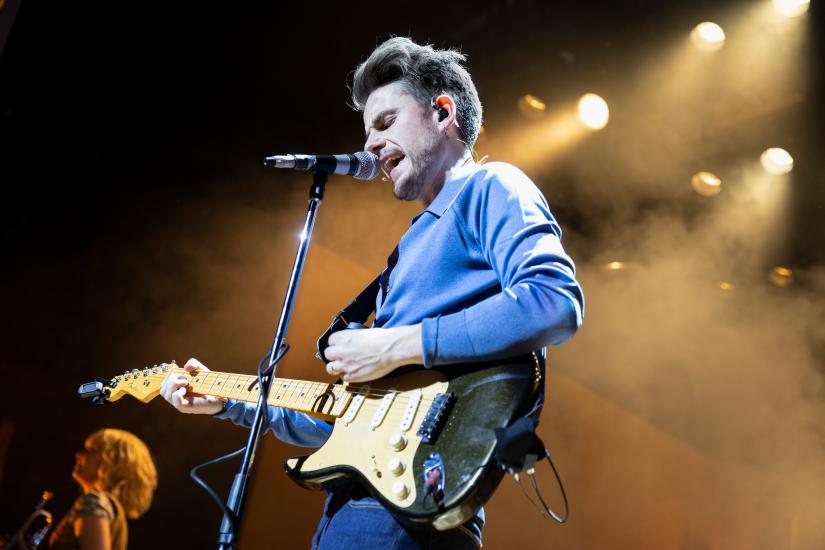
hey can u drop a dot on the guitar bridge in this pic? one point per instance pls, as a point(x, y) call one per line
point(436, 416)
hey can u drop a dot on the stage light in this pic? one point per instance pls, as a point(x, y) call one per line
point(707, 36)
point(593, 111)
point(534, 102)
point(531, 106)
point(791, 8)
point(614, 266)
point(706, 184)
point(776, 161)
point(780, 276)
point(726, 286)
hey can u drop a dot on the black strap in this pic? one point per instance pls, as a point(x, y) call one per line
point(385, 275)
point(114, 504)
point(518, 446)
point(360, 309)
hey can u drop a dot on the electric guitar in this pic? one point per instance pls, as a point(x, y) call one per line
point(421, 443)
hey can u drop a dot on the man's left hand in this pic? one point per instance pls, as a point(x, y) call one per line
point(360, 355)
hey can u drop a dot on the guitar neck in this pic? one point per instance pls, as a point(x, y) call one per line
point(319, 399)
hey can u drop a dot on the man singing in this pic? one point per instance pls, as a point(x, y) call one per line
point(480, 274)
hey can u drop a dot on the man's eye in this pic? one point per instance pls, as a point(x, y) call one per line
point(388, 122)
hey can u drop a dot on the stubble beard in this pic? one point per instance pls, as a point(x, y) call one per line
point(408, 188)
point(411, 185)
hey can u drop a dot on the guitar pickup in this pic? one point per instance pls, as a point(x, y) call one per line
point(379, 415)
point(436, 416)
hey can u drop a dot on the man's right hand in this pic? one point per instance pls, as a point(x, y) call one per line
point(175, 391)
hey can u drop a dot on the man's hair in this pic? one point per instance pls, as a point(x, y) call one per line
point(424, 73)
point(127, 470)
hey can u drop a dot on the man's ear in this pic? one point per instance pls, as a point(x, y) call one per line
point(445, 107)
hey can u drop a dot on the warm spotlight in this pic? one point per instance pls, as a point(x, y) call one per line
point(726, 286)
point(593, 111)
point(708, 36)
point(614, 266)
point(791, 8)
point(531, 106)
point(706, 184)
point(776, 161)
point(781, 276)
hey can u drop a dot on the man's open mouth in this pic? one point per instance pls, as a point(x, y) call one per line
point(392, 160)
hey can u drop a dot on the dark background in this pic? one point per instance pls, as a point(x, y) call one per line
point(137, 223)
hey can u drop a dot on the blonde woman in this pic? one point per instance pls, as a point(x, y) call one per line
point(118, 477)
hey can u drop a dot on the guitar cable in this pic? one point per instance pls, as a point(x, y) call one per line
point(544, 509)
point(193, 473)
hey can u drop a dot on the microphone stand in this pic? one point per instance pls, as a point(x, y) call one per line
point(230, 525)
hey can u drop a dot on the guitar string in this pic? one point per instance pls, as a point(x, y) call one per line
point(367, 408)
point(358, 390)
point(293, 386)
point(243, 380)
point(290, 387)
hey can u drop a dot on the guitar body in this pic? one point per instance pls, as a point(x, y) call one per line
point(443, 481)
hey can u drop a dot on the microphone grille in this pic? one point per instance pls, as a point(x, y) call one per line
point(368, 165)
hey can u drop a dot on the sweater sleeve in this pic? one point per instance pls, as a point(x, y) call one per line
point(539, 303)
point(289, 426)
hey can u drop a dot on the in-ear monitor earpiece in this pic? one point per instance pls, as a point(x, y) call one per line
point(443, 113)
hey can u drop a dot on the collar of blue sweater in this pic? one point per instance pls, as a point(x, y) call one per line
point(450, 190)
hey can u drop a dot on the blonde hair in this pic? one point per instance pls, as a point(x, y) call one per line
point(126, 469)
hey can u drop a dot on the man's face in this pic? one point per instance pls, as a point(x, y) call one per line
point(405, 136)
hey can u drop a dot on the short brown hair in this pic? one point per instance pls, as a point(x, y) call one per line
point(424, 73)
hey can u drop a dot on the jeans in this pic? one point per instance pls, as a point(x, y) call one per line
point(357, 521)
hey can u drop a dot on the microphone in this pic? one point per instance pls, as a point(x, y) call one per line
point(362, 165)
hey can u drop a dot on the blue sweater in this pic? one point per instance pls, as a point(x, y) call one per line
point(482, 269)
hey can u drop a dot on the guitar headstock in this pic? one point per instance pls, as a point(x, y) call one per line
point(143, 385)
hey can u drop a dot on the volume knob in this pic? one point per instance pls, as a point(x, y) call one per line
point(400, 490)
point(398, 441)
point(396, 467)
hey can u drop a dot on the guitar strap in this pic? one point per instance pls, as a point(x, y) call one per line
point(360, 309)
point(518, 446)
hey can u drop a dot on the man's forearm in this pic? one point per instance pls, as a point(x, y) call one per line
point(407, 348)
